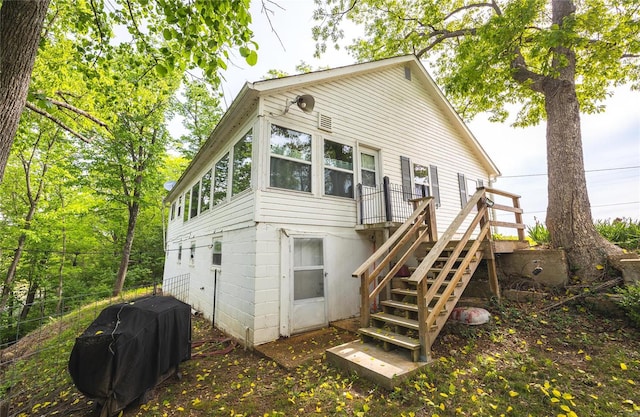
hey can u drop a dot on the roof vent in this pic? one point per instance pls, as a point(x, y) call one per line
point(324, 122)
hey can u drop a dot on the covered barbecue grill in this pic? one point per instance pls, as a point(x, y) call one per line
point(129, 348)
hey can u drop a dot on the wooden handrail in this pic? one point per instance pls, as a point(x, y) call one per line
point(422, 216)
point(443, 242)
point(391, 242)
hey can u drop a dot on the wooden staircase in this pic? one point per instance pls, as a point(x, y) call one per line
point(409, 312)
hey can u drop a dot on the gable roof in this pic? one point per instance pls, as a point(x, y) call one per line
point(247, 99)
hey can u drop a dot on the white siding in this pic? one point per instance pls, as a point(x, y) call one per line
point(381, 110)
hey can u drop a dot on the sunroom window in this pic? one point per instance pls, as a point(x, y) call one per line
point(195, 197)
point(338, 169)
point(242, 164)
point(205, 192)
point(220, 180)
point(290, 159)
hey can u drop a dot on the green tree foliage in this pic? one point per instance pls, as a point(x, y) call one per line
point(555, 58)
point(175, 36)
point(200, 109)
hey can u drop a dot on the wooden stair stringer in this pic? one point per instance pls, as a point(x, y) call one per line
point(441, 319)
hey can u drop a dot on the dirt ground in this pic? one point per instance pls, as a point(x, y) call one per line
point(291, 352)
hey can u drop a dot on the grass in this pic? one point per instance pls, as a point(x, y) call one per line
point(567, 362)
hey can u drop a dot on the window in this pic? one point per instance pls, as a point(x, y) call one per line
point(468, 188)
point(216, 251)
point(425, 182)
point(290, 159)
point(173, 210)
point(220, 180)
point(242, 164)
point(192, 253)
point(179, 205)
point(368, 170)
point(421, 183)
point(308, 269)
point(338, 169)
point(195, 197)
point(205, 192)
point(187, 198)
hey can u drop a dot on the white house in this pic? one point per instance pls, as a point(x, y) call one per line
point(279, 206)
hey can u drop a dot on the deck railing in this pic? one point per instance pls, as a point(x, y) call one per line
point(392, 254)
point(386, 202)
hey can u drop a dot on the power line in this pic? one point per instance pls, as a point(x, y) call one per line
point(596, 206)
point(587, 170)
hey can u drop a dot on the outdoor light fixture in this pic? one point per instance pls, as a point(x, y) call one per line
point(489, 202)
point(305, 102)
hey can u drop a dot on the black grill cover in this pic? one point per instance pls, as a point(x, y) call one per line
point(128, 348)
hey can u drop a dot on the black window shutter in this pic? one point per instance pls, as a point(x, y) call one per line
point(462, 184)
point(435, 186)
point(405, 168)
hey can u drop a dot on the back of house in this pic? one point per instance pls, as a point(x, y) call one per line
point(302, 179)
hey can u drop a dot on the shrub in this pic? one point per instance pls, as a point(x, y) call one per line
point(539, 233)
point(624, 232)
point(630, 302)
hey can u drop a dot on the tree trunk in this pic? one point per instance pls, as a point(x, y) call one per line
point(11, 272)
point(31, 296)
point(134, 209)
point(21, 25)
point(569, 212)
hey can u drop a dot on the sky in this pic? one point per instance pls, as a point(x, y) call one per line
point(611, 140)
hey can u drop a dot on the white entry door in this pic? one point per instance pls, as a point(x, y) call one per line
point(308, 309)
point(372, 201)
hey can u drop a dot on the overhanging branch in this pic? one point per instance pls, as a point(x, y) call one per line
point(79, 112)
point(57, 121)
point(442, 35)
point(491, 5)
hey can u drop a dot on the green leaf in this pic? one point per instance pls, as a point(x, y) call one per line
point(167, 34)
point(161, 70)
point(252, 58)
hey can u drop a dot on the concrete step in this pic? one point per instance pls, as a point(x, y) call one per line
point(387, 369)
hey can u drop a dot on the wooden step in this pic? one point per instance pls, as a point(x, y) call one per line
point(430, 281)
point(405, 292)
point(396, 320)
point(414, 293)
point(400, 305)
point(392, 338)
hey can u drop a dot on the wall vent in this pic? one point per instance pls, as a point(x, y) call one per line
point(324, 122)
point(407, 73)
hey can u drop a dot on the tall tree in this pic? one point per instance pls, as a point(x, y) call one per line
point(200, 109)
point(176, 35)
point(124, 164)
point(20, 26)
point(556, 58)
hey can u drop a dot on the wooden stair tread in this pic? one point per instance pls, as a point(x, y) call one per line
point(400, 305)
point(396, 320)
point(391, 337)
point(430, 281)
point(414, 293)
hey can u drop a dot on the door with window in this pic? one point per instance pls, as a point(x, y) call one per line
point(372, 201)
point(308, 304)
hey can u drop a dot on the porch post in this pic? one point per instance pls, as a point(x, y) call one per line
point(360, 202)
point(387, 199)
